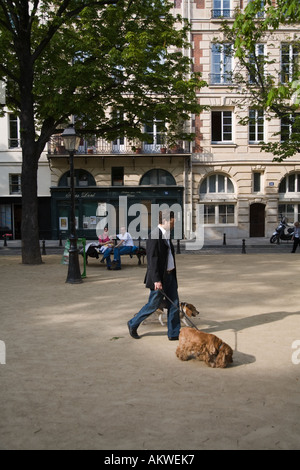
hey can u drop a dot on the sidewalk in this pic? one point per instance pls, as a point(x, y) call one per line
point(75, 379)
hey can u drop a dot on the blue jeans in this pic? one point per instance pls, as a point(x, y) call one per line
point(106, 256)
point(155, 299)
point(123, 250)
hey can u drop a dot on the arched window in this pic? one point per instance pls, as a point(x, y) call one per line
point(158, 177)
point(82, 178)
point(216, 183)
point(290, 184)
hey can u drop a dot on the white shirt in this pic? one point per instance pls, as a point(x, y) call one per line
point(166, 236)
point(127, 239)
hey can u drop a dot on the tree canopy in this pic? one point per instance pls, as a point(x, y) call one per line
point(95, 60)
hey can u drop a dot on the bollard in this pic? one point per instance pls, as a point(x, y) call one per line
point(5, 240)
point(244, 246)
point(178, 247)
point(44, 247)
point(224, 238)
point(60, 242)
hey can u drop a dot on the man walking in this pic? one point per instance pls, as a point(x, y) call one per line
point(160, 275)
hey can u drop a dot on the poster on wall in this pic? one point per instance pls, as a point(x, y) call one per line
point(63, 223)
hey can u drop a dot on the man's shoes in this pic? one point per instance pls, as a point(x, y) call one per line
point(133, 332)
point(116, 268)
point(174, 338)
point(109, 268)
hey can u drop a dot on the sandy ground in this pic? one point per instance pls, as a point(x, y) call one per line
point(74, 379)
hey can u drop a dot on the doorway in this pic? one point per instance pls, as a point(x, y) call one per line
point(257, 220)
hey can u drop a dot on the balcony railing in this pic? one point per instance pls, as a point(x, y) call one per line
point(221, 13)
point(221, 78)
point(101, 147)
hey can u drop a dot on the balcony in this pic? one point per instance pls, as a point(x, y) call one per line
point(221, 13)
point(221, 78)
point(100, 147)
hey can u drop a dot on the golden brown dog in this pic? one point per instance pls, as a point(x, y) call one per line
point(204, 347)
point(185, 308)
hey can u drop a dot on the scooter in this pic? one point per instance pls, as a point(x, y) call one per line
point(281, 232)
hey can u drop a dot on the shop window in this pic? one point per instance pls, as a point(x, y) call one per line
point(5, 218)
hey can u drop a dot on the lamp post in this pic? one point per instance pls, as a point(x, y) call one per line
point(71, 143)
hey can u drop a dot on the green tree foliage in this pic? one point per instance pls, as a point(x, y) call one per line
point(259, 77)
point(83, 58)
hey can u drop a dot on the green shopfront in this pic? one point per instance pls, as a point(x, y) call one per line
point(94, 203)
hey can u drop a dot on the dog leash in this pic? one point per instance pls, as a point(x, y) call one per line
point(179, 309)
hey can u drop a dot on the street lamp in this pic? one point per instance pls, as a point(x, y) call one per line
point(71, 143)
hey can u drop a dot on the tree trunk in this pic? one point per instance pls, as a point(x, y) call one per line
point(31, 253)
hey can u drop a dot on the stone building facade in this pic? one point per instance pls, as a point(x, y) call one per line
point(243, 191)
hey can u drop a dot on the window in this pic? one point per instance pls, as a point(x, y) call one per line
point(290, 184)
point(119, 142)
point(257, 64)
point(15, 184)
point(221, 126)
point(289, 62)
point(289, 127)
point(257, 176)
point(261, 12)
point(155, 132)
point(216, 184)
point(117, 176)
point(5, 217)
point(221, 9)
point(82, 178)
point(256, 126)
point(219, 214)
point(221, 68)
point(290, 211)
point(158, 177)
point(14, 129)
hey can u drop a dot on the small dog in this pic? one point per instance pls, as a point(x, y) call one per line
point(188, 309)
point(204, 347)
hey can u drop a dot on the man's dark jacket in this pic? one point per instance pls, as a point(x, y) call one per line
point(157, 258)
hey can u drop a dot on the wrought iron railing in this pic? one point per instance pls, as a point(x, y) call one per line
point(102, 147)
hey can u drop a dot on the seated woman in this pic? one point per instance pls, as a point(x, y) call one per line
point(106, 244)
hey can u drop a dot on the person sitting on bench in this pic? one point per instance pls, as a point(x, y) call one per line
point(125, 246)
